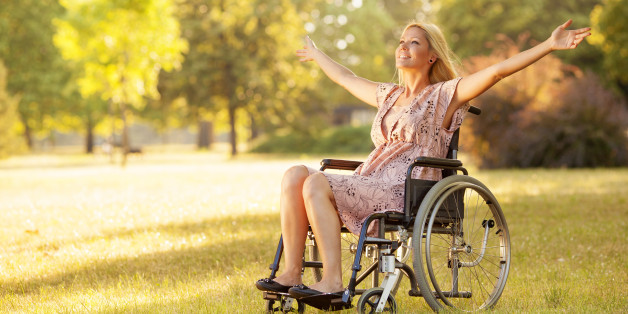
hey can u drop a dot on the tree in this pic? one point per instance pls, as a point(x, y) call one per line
point(241, 61)
point(9, 141)
point(121, 46)
point(36, 72)
point(609, 33)
point(470, 26)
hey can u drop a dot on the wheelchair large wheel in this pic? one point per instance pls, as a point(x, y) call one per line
point(461, 246)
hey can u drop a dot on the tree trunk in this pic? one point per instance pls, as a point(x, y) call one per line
point(233, 135)
point(89, 137)
point(125, 134)
point(112, 138)
point(28, 136)
point(205, 134)
point(254, 129)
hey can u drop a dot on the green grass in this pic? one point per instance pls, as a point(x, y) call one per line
point(191, 232)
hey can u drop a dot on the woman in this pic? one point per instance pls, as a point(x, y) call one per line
point(415, 118)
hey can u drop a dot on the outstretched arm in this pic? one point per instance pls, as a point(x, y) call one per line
point(361, 88)
point(477, 83)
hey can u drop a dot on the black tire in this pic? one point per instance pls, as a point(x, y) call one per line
point(461, 246)
point(370, 298)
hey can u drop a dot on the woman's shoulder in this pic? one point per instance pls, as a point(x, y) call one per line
point(384, 90)
point(448, 83)
point(443, 88)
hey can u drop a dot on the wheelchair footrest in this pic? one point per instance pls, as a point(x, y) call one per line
point(274, 295)
point(326, 302)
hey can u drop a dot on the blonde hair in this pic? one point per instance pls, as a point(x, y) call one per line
point(443, 68)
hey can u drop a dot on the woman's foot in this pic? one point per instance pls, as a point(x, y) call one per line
point(279, 284)
point(270, 285)
point(288, 280)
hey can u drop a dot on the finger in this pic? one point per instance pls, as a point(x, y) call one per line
point(583, 35)
point(582, 30)
point(564, 26)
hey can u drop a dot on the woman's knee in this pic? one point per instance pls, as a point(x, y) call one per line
point(293, 178)
point(316, 185)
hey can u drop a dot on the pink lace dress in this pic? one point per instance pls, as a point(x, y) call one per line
point(378, 184)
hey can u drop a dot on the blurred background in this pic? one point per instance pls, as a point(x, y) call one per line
point(115, 77)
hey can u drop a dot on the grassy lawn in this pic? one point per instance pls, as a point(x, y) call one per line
point(191, 232)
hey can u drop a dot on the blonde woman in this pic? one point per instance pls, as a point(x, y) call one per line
point(415, 118)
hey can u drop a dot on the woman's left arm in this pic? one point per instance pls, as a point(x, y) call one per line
point(477, 83)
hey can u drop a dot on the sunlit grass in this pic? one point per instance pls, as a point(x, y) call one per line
point(191, 232)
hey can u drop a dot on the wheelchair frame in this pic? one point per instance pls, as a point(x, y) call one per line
point(433, 207)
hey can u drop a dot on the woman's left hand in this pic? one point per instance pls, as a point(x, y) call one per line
point(567, 39)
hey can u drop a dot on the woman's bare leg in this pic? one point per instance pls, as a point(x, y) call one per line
point(325, 223)
point(294, 224)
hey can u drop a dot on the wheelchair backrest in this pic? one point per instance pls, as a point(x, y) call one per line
point(452, 152)
point(416, 189)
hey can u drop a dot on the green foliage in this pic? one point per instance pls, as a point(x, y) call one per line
point(286, 144)
point(340, 140)
point(36, 71)
point(10, 143)
point(609, 33)
point(346, 139)
point(121, 46)
point(471, 26)
point(363, 39)
point(241, 63)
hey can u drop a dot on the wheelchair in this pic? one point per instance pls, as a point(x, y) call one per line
point(453, 232)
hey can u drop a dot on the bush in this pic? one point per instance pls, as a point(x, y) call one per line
point(587, 128)
point(286, 143)
point(346, 139)
point(338, 140)
point(547, 115)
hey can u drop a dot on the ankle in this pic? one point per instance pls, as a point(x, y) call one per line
point(288, 279)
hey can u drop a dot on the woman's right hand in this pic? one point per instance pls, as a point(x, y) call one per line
point(307, 53)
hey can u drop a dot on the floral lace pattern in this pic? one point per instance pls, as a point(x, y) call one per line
point(378, 184)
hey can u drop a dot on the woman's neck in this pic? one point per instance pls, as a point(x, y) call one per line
point(415, 83)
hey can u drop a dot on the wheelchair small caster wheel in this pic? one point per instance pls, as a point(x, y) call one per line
point(285, 305)
point(369, 301)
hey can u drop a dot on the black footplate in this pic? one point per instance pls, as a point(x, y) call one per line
point(326, 302)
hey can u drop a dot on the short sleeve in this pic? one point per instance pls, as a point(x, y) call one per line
point(445, 95)
point(382, 92)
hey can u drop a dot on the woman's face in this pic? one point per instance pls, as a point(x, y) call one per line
point(413, 50)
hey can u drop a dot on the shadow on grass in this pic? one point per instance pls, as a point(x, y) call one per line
point(231, 243)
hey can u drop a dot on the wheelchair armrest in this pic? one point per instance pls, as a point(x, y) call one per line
point(432, 162)
point(340, 164)
point(475, 110)
point(437, 162)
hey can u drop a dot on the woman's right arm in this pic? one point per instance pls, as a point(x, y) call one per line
point(360, 87)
